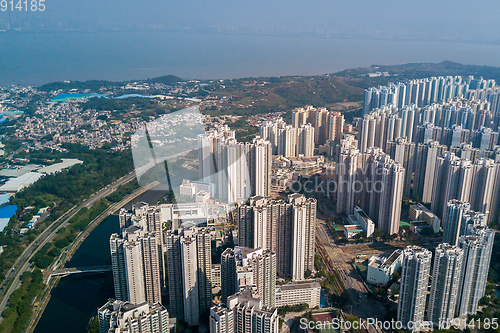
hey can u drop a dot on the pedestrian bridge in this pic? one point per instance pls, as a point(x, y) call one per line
point(80, 270)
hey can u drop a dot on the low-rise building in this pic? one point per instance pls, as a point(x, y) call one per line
point(416, 227)
point(297, 293)
point(187, 189)
point(34, 220)
point(301, 163)
point(14, 185)
point(185, 215)
point(352, 230)
point(419, 212)
point(361, 218)
point(380, 269)
point(190, 188)
point(328, 148)
point(281, 162)
point(58, 167)
point(202, 197)
point(281, 177)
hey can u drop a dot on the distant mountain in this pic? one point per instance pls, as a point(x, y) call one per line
point(167, 79)
point(95, 85)
point(422, 70)
point(295, 87)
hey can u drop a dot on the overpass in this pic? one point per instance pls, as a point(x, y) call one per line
point(80, 270)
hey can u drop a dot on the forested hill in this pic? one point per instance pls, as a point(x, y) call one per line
point(421, 70)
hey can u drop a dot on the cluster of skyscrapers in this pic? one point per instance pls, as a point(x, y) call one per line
point(189, 273)
point(442, 133)
point(286, 228)
point(446, 123)
point(244, 313)
point(137, 256)
point(287, 140)
point(310, 127)
point(238, 170)
point(372, 181)
point(245, 267)
point(420, 139)
point(476, 183)
point(422, 92)
point(138, 274)
point(275, 238)
point(439, 147)
point(141, 273)
point(458, 279)
point(328, 125)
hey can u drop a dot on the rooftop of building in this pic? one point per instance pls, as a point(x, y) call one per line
point(132, 229)
point(419, 224)
point(244, 251)
point(420, 206)
point(392, 258)
point(363, 214)
point(66, 163)
point(219, 310)
point(15, 184)
point(446, 246)
point(353, 227)
point(416, 250)
point(300, 285)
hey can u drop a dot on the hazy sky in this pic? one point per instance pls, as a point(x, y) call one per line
point(467, 20)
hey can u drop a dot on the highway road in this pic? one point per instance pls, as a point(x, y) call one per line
point(23, 263)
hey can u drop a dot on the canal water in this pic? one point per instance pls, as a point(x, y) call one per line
point(75, 299)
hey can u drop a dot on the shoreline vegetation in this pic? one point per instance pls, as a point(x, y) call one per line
point(19, 312)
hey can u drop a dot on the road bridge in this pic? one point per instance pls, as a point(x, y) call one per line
point(80, 270)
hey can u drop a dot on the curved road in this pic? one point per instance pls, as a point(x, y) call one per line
point(23, 263)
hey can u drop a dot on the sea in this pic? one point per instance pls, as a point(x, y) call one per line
point(38, 58)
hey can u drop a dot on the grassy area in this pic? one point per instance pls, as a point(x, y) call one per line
point(65, 236)
point(282, 94)
point(61, 191)
point(292, 308)
point(19, 311)
point(329, 283)
point(17, 315)
point(319, 265)
point(46, 255)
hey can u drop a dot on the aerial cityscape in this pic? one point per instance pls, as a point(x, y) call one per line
point(242, 195)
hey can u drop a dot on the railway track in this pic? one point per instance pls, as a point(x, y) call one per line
point(339, 287)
